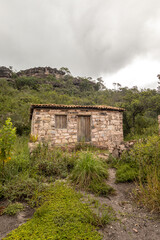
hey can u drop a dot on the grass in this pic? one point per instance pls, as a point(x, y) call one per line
point(87, 169)
point(142, 164)
point(149, 192)
point(89, 173)
point(61, 216)
point(100, 188)
point(13, 208)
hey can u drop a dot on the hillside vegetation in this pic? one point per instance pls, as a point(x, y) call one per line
point(18, 92)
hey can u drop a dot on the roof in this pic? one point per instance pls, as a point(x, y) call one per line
point(61, 106)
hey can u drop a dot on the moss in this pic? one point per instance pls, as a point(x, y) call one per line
point(61, 216)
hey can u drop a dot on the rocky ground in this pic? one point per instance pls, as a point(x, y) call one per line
point(132, 222)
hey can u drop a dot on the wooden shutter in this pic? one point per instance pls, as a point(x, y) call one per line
point(61, 121)
point(84, 129)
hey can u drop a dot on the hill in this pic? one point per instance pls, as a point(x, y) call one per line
point(49, 85)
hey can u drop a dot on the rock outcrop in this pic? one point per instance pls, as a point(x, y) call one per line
point(5, 72)
point(41, 72)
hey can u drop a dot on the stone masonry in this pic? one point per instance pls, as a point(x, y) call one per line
point(106, 126)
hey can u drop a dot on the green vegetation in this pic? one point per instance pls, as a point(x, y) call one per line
point(16, 95)
point(89, 173)
point(100, 188)
point(59, 208)
point(142, 163)
point(60, 211)
point(61, 216)
point(125, 173)
point(13, 208)
point(21, 187)
point(7, 138)
point(57, 163)
point(87, 168)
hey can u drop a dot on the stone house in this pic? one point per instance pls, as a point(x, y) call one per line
point(69, 124)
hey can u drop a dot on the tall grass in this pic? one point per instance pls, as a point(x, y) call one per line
point(143, 163)
point(88, 168)
point(89, 173)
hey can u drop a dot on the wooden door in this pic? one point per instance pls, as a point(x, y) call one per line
point(84, 129)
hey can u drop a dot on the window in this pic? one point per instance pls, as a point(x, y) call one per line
point(61, 121)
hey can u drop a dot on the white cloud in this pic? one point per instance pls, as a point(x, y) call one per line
point(92, 38)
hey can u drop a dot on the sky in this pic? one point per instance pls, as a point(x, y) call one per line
point(118, 40)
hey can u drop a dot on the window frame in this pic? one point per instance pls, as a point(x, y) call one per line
point(56, 121)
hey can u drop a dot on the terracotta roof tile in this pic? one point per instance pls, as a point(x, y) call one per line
point(61, 106)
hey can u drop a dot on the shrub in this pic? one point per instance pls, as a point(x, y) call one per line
point(1, 191)
point(149, 193)
point(126, 173)
point(52, 162)
point(22, 187)
point(100, 188)
point(142, 163)
point(13, 208)
point(7, 138)
point(19, 162)
point(88, 168)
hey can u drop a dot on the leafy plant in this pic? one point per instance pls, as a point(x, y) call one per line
point(33, 138)
point(7, 138)
point(20, 161)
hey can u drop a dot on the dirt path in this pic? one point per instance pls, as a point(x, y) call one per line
point(8, 223)
point(134, 223)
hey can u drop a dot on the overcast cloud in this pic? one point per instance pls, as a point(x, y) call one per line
point(116, 39)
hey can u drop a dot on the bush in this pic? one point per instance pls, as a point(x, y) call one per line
point(52, 162)
point(1, 191)
point(100, 188)
point(142, 163)
point(149, 193)
point(126, 173)
point(7, 139)
point(20, 161)
point(88, 168)
point(13, 208)
point(22, 187)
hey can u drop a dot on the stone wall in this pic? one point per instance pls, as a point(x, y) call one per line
point(106, 127)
